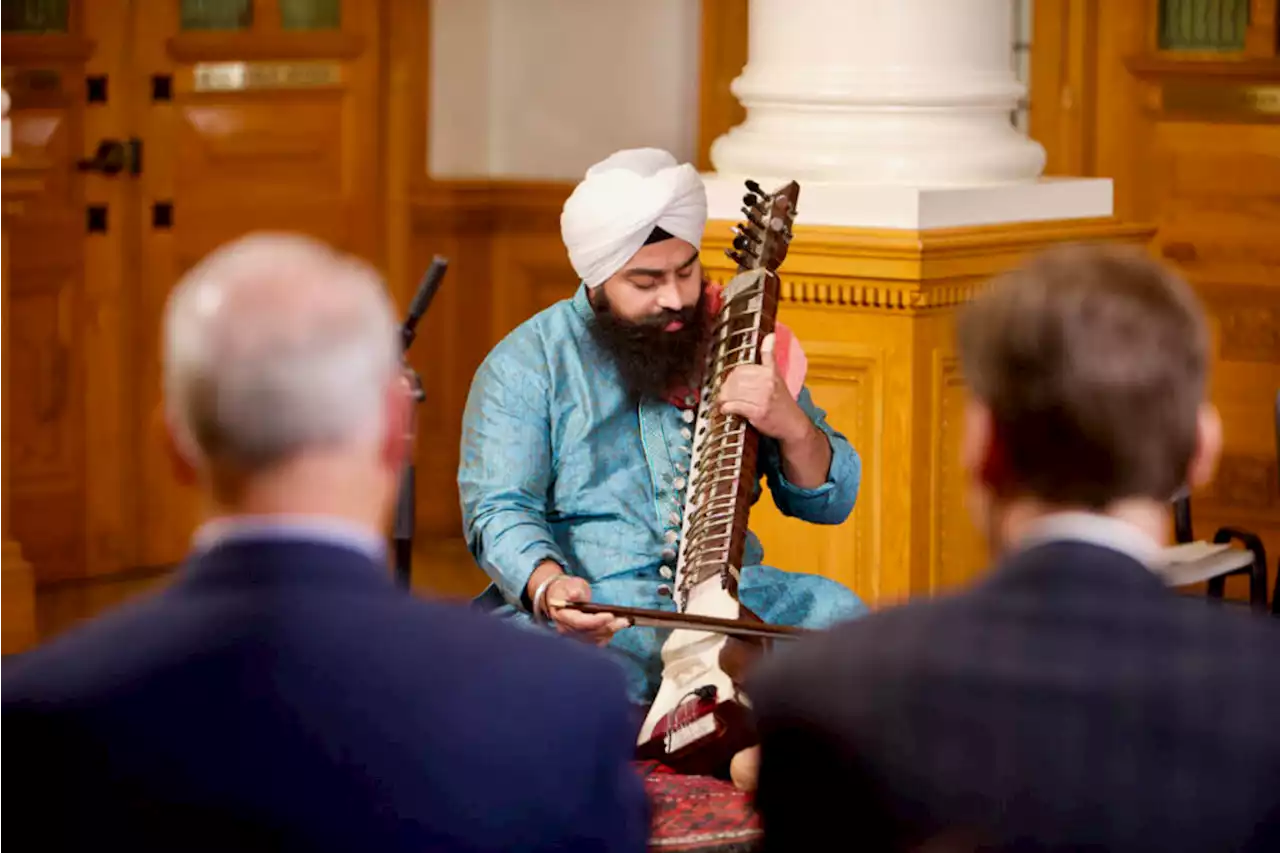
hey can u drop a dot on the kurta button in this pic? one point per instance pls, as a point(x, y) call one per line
point(668, 553)
point(680, 466)
point(690, 400)
point(666, 572)
point(687, 416)
point(673, 535)
point(678, 482)
point(664, 590)
point(685, 433)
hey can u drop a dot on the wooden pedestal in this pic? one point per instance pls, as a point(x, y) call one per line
point(874, 310)
point(17, 579)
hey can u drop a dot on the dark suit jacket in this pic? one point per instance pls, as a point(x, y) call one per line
point(1068, 701)
point(287, 696)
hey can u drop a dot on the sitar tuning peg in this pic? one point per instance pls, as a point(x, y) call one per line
point(750, 200)
point(755, 188)
point(736, 257)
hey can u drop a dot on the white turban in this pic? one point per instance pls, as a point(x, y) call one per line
point(616, 207)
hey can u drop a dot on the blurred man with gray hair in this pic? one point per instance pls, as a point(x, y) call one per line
point(283, 693)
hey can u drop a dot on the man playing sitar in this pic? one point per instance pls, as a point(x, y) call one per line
point(578, 445)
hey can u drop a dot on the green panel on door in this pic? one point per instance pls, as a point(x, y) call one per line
point(34, 16)
point(1203, 24)
point(217, 14)
point(310, 14)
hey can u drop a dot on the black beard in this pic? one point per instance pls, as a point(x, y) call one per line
point(652, 361)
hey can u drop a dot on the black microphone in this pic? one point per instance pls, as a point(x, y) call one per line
point(422, 299)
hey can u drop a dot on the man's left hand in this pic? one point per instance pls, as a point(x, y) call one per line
point(758, 393)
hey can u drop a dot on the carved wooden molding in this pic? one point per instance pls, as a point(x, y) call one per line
point(837, 292)
point(940, 243)
point(909, 271)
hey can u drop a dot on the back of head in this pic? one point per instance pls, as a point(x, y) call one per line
point(1092, 363)
point(276, 345)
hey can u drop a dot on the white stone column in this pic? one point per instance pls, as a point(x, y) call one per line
point(891, 113)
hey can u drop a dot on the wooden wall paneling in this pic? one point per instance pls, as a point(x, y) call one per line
point(1063, 86)
point(305, 158)
point(1260, 39)
point(723, 56)
point(44, 368)
point(1122, 140)
point(21, 181)
point(294, 156)
point(1193, 147)
point(1211, 181)
point(107, 324)
point(406, 59)
point(445, 354)
point(506, 263)
point(875, 310)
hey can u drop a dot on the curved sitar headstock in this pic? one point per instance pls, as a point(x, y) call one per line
point(761, 241)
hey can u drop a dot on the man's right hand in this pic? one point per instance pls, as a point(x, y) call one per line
point(597, 628)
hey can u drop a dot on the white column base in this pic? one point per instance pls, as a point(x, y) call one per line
point(885, 206)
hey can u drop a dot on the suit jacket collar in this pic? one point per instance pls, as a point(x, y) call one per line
point(1065, 567)
point(263, 565)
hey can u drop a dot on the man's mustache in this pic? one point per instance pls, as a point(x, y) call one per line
point(685, 315)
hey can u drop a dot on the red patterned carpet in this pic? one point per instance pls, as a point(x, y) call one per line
point(698, 813)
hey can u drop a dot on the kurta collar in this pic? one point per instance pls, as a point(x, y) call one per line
point(582, 304)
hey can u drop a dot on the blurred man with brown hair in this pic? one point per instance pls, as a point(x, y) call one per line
point(1067, 700)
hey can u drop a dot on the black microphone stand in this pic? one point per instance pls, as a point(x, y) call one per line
point(406, 500)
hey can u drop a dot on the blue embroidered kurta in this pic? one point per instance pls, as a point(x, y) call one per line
point(559, 463)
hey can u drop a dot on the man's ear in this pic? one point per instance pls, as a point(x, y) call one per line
point(183, 457)
point(982, 453)
point(1204, 461)
point(397, 437)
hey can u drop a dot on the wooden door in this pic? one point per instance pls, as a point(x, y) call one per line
point(258, 114)
point(45, 54)
point(223, 117)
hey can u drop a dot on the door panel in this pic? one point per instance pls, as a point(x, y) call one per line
point(250, 114)
point(267, 118)
point(44, 57)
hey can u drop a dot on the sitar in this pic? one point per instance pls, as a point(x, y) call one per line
point(700, 717)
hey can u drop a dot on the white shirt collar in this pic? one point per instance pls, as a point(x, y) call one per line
point(1095, 529)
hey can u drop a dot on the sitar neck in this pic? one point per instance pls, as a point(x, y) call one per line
point(725, 446)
